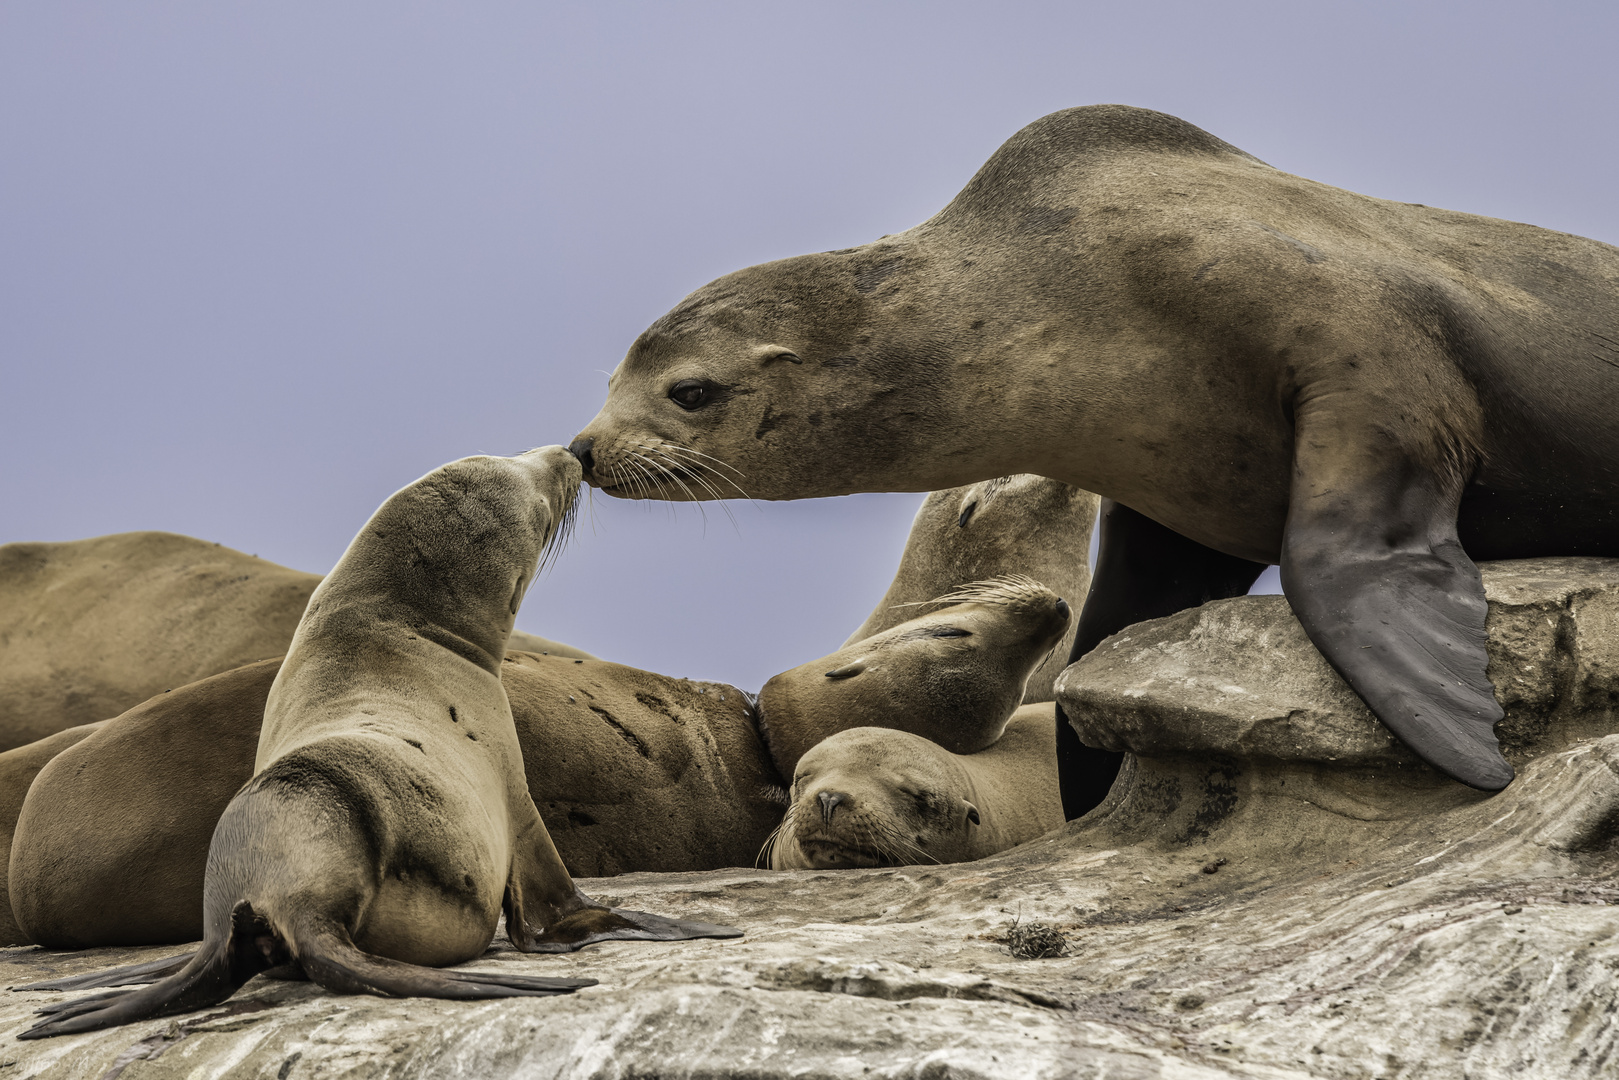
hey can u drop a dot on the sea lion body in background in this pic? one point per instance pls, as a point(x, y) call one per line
point(1026, 525)
point(18, 767)
point(631, 771)
point(90, 628)
point(873, 796)
point(953, 675)
point(1252, 367)
point(388, 822)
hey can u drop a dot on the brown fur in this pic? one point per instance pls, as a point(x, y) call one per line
point(953, 675)
point(877, 797)
point(1024, 524)
point(669, 775)
point(90, 628)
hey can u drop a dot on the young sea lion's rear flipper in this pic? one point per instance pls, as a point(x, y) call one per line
point(129, 975)
point(1373, 569)
point(337, 964)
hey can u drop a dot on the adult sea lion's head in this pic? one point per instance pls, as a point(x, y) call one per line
point(793, 379)
point(876, 797)
point(953, 675)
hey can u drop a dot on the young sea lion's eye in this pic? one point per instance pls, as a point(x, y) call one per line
point(689, 394)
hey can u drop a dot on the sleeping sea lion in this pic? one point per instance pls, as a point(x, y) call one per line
point(1251, 367)
point(89, 628)
point(388, 824)
point(1026, 525)
point(873, 796)
point(953, 675)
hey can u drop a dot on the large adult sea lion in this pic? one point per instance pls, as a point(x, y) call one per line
point(388, 822)
point(873, 796)
point(1024, 525)
point(953, 675)
point(1252, 367)
point(18, 768)
point(89, 628)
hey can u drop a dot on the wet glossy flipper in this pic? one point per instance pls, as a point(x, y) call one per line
point(1373, 570)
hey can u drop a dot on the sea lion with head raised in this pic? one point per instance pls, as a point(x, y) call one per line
point(953, 675)
point(1026, 525)
point(874, 796)
point(1252, 367)
point(388, 823)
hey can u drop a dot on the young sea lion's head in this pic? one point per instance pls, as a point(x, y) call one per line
point(953, 675)
point(793, 379)
point(876, 797)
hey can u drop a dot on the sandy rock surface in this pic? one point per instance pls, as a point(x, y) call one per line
point(1237, 908)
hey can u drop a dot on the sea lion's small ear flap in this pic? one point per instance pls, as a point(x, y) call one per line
point(967, 507)
point(768, 354)
point(850, 670)
point(972, 814)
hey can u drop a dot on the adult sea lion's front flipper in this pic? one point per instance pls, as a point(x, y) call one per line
point(1373, 569)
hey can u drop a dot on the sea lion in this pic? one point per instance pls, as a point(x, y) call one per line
point(953, 675)
point(630, 770)
point(873, 796)
point(1252, 367)
point(387, 823)
point(89, 628)
point(1023, 524)
point(18, 767)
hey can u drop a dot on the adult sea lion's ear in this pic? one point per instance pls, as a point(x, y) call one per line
point(770, 353)
point(849, 670)
point(972, 814)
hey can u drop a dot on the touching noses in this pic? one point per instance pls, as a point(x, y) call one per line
point(582, 448)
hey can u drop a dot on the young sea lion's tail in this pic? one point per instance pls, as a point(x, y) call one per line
point(211, 975)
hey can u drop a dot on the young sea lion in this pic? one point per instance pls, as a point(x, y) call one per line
point(1253, 367)
point(388, 822)
point(953, 675)
point(1025, 524)
point(877, 797)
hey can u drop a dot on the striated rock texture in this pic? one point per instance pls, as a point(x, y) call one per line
point(1229, 912)
point(89, 628)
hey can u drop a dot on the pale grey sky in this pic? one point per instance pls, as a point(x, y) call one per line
point(261, 265)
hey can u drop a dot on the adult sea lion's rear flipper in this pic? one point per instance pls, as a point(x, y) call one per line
point(1373, 569)
point(337, 964)
point(129, 975)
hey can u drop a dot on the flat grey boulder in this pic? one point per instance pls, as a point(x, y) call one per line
point(1238, 678)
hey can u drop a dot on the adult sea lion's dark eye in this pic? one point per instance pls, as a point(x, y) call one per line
point(689, 394)
point(952, 631)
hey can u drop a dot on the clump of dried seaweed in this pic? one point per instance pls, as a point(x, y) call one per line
point(1034, 940)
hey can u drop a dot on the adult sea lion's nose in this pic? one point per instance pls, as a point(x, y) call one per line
point(582, 448)
point(830, 801)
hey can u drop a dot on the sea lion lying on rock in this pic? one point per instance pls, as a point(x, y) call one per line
point(89, 628)
point(953, 675)
point(388, 823)
point(1251, 367)
point(873, 796)
point(630, 771)
point(1026, 525)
